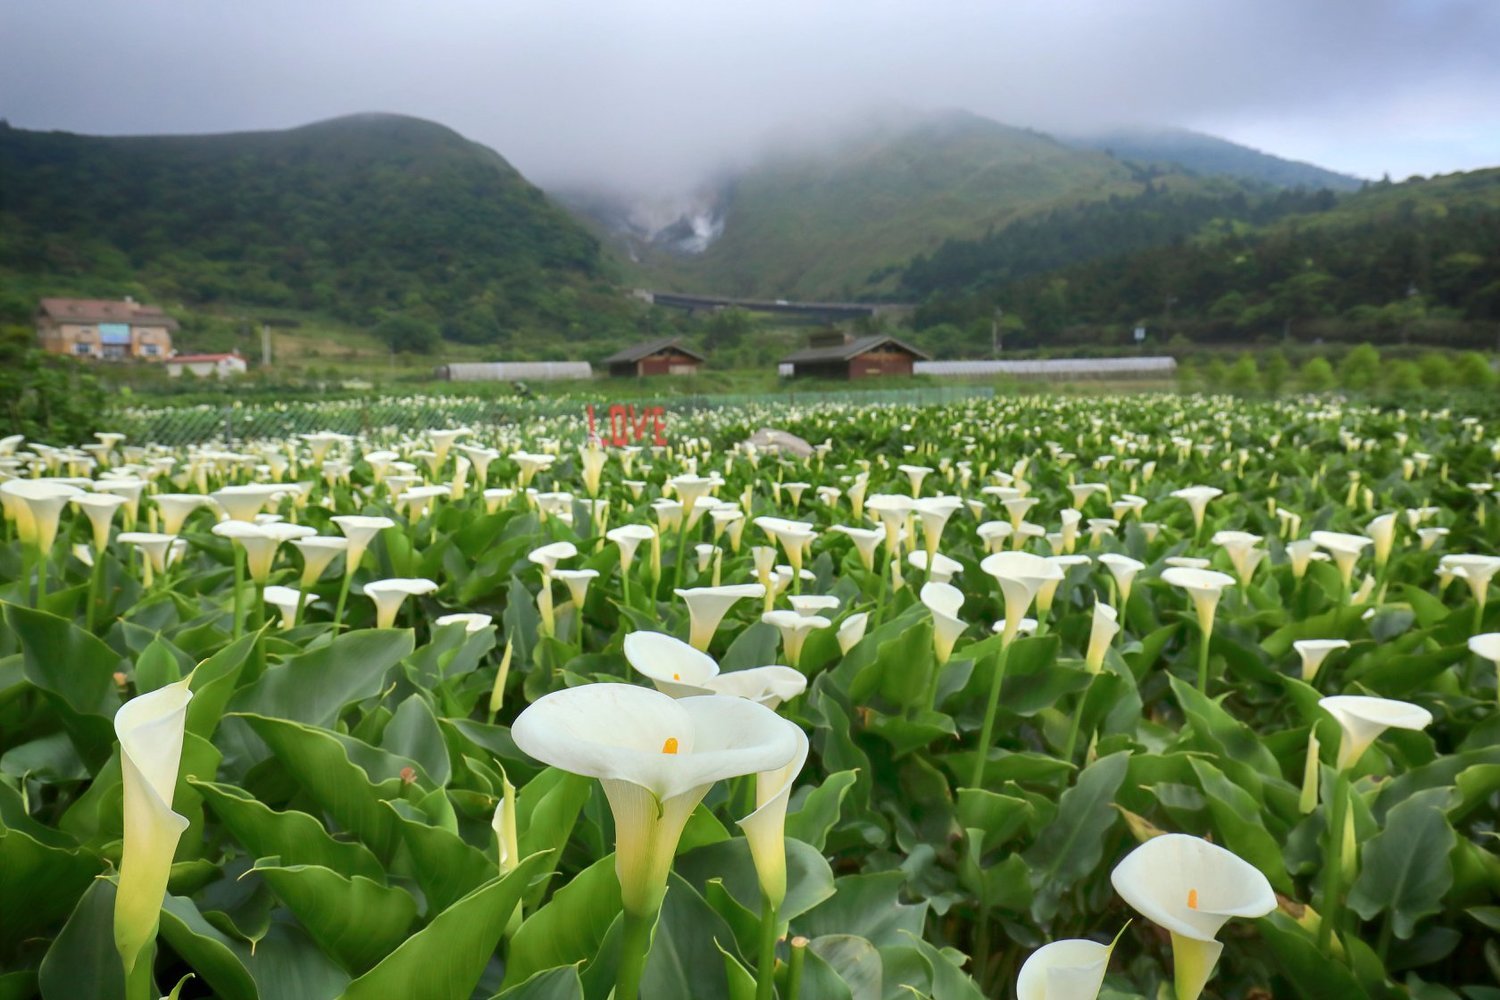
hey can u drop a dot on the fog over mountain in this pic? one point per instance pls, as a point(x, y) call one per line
point(659, 97)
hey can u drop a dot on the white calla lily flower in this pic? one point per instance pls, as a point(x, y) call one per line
point(1362, 719)
point(944, 601)
point(361, 531)
point(318, 551)
point(1020, 575)
point(1197, 498)
point(1102, 631)
point(1344, 549)
point(1191, 888)
point(1071, 969)
point(150, 730)
point(1314, 651)
point(851, 630)
point(656, 758)
point(765, 828)
point(472, 621)
point(708, 605)
point(1123, 569)
point(794, 629)
point(865, 542)
point(389, 595)
point(288, 602)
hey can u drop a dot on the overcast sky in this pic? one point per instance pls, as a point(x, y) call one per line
point(652, 94)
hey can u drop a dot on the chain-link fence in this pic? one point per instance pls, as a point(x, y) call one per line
point(188, 425)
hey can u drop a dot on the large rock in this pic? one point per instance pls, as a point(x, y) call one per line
point(775, 442)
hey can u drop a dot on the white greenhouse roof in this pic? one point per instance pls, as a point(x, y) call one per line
point(489, 371)
point(1084, 367)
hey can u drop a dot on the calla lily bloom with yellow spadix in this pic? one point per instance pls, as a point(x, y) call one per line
point(1313, 652)
point(708, 605)
point(656, 758)
point(1362, 719)
point(150, 731)
point(1191, 888)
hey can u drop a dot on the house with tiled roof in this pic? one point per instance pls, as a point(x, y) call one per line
point(104, 329)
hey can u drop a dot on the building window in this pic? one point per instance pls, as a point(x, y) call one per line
point(82, 348)
point(150, 350)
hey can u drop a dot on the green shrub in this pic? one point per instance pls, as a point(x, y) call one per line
point(1360, 369)
point(1404, 377)
point(1316, 376)
point(1437, 370)
point(1473, 371)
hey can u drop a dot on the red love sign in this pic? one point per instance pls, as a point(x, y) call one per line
point(627, 425)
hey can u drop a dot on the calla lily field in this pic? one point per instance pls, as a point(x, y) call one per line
point(1043, 697)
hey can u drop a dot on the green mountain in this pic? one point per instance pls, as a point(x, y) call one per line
point(1412, 261)
point(358, 218)
point(840, 220)
point(1211, 156)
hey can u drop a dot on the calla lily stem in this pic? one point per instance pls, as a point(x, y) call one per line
point(141, 984)
point(96, 584)
point(239, 591)
point(635, 943)
point(338, 611)
point(1203, 662)
point(766, 963)
point(1333, 864)
point(794, 968)
point(988, 729)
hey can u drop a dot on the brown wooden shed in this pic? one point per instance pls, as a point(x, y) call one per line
point(666, 356)
point(863, 358)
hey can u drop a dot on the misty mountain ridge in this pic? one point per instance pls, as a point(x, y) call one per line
point(833, 210)
point(1209, 156)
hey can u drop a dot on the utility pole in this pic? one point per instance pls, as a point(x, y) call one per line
point(995, 345)
point(265, 344)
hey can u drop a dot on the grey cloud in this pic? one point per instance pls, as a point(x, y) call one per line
point(654, 94)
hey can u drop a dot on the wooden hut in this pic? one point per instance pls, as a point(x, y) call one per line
point(865, 357)
point(665, 356)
